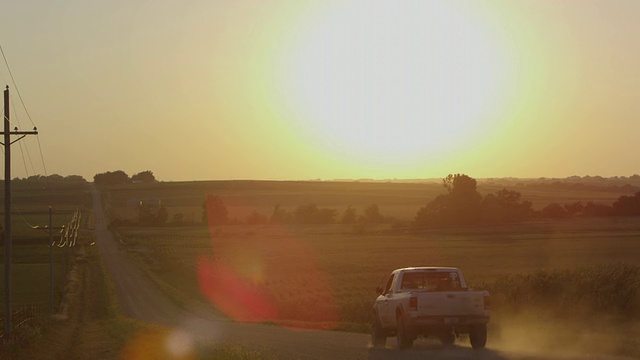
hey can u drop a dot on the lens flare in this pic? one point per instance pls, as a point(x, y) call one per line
point(160, 344)
point(273, 278)
point(233, 294)
point(179, 343)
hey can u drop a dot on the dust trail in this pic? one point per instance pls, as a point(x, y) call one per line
point(589, 337)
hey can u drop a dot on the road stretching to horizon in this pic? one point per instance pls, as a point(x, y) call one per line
point(140, 298)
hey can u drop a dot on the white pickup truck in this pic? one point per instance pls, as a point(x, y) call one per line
point(429, 301)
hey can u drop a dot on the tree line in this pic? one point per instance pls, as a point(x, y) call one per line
point(120, 177)
point(464, 205)
point(40, 182)
point(214, 212)
point(461, 205)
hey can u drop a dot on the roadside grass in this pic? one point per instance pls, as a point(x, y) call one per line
point(96, 329)
point(30, 278)
point(30, 246)
point(137, 340)
point(103, 332)
point(233, 352)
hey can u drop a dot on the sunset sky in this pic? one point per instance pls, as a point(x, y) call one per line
point(293, 89)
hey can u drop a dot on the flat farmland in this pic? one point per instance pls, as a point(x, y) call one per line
point(30, 250)
point(554, 278)
point(399, 200)
point(303, 268)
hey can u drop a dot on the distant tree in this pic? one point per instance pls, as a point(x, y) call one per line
point(311, 214)
point(593, 209)
point(492, 209)
point(326, 216)
point(214, 211)
point(53, 178)
point(372, 214)
point(74, 178)
point(508, 197)
point(627, 205)
point(424, 217)
point(255, 218)
point(111, 178)
point(280, 216)
point(461, 205)
point(350, 216)
point(460, 183)
point(574, 208)
point(144, 177)
point(36, 178)
point(554, 210)
point(304, 214)
point(152, 215)
point(505, 206)
point(42, 182)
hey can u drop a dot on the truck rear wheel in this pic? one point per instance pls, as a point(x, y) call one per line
point(403, 337)
point(478, 336)
point(378, 334)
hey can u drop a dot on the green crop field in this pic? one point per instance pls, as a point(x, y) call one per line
point(30, 246)
point(348, 261)
point(353, 264)
point(325, 275)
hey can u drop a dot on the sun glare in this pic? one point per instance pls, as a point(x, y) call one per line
point(386, 82)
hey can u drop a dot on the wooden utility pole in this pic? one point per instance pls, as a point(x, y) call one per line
point(51, 228)
point(7, 208)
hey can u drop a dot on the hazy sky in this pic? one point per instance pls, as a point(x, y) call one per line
point(292, 89)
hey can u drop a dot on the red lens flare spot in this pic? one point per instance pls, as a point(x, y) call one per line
point(232, 294)
point(270, 274)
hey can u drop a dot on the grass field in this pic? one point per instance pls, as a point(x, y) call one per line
point(30, 247)
point(564, 281)
point(325, 275)
point(283, 258)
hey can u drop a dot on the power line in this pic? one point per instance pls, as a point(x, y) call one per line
point(44, 166)
point(26, 170)
point(15, 114)
point(30, 161)
point(16, 86)
point(25, 219)
point(25, 149)
point(3, 79)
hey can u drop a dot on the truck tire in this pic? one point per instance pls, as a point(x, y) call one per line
point(478, 336)
point(403, 338)
point(447, 338)
point(378, 334)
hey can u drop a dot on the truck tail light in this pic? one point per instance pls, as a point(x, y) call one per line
point(413, 303)
point(487, 302)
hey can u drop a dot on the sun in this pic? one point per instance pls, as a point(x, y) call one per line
point(391, 82)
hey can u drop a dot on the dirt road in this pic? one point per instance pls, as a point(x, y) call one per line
point(141, 299)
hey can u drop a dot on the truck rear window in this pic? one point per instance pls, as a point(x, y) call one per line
point(431, 281)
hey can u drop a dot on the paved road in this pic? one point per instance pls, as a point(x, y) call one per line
point(139, 298)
